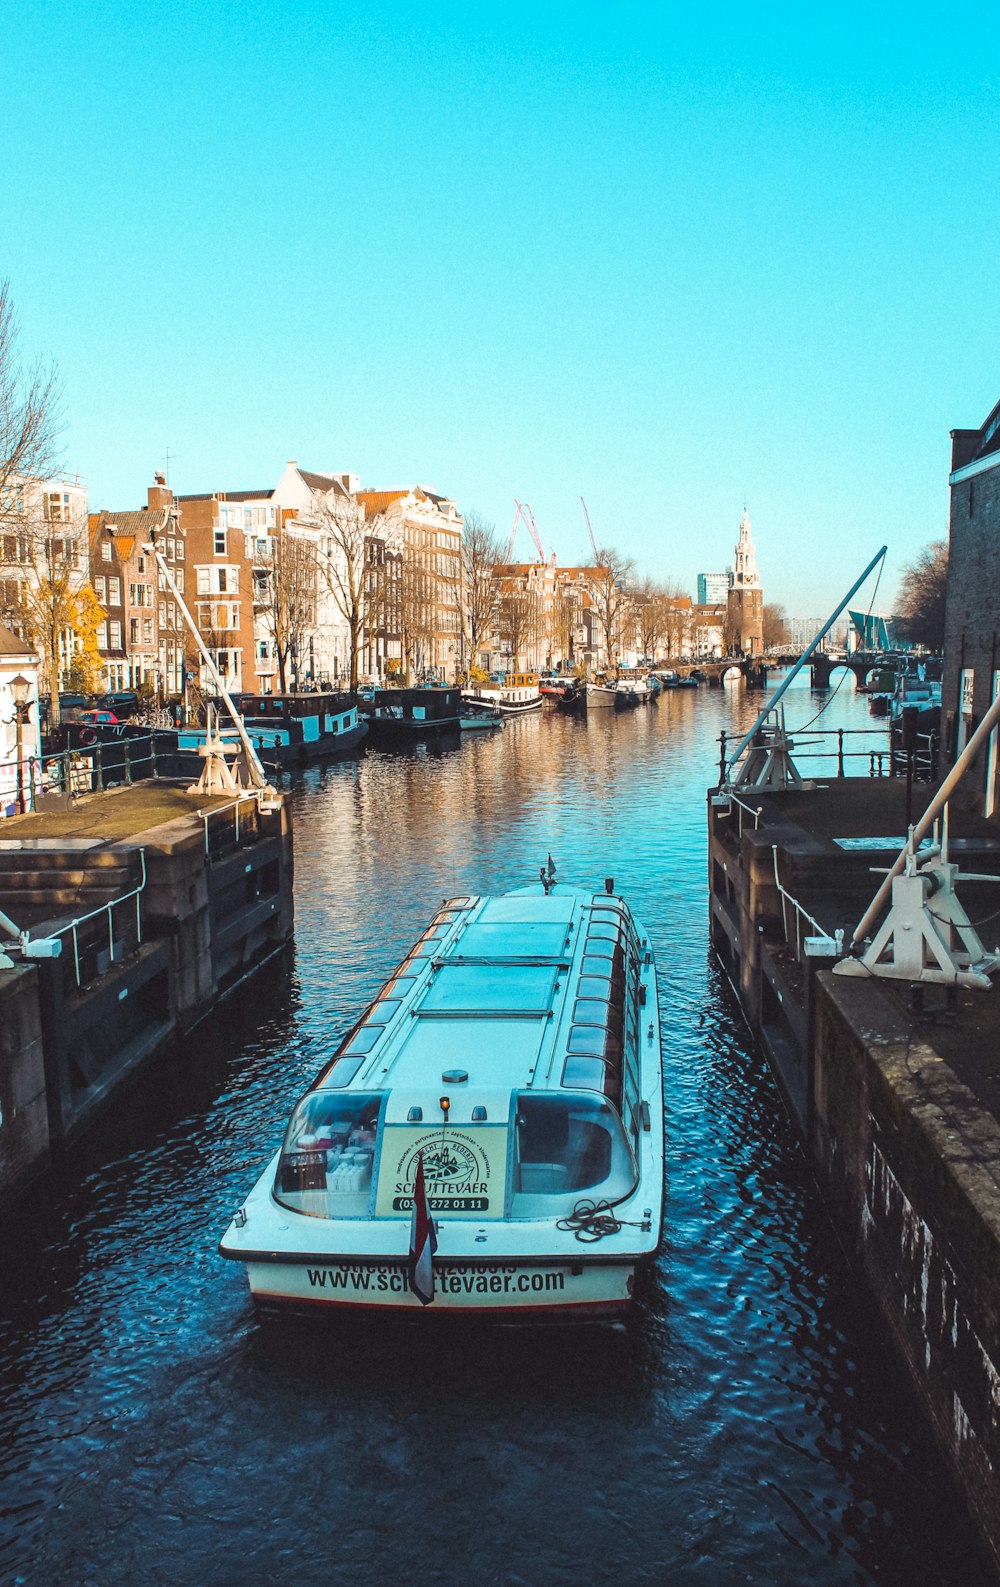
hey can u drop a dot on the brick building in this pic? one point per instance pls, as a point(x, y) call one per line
point(971, 678)
point(141, 639)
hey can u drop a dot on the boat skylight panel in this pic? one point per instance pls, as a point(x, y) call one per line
point(508, 990)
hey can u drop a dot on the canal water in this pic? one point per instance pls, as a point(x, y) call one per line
point(748, 1426)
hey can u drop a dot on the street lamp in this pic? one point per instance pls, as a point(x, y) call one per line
point(20, 688)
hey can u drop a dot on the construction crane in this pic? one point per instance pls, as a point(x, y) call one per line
point(593, 542)
point(523, 513)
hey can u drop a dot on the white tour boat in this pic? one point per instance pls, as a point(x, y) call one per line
point(488, 1140)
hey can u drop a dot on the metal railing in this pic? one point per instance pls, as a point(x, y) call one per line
point(107, 763)
point(213, 844)
point(72, 926)
point(800, 913)
point(878, 756)
point(752, 810)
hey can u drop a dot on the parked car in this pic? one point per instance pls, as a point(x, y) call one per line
point(123, 704)
point(98, 718)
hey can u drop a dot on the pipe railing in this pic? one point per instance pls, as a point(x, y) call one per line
point(800, 912)
point(208, 815)
point(72, 926)
point(880, 756)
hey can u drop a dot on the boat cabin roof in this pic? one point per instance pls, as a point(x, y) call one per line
point(528, 990)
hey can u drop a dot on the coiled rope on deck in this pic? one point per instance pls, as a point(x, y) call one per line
point(593, 1220)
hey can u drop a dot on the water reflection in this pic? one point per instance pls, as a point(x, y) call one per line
point(748, 1427)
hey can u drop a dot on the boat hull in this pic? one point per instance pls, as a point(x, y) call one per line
point(600, 699)
point(497, 1291)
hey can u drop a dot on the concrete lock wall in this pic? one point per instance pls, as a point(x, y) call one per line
point(24, 1120)
point(901, 1147)
point(215, 907)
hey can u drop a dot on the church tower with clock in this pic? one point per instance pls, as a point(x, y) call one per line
point(745, 601)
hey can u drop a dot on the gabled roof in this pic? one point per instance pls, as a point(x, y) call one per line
point(127, 530)
point(12, 645)
point(323, 482)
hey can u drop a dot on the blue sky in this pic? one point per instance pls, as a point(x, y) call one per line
point(669, 258)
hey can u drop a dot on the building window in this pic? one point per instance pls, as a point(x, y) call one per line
point(140, 563)
point(105, 550)
point(147, 630)
point(220, 542)
point(114, 592)
point(133, 631)
point(102, 636)
point(179, 579)
point(203, 584)
point(114, 636)
point(99, 588)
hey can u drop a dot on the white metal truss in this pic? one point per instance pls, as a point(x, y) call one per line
point(768, 762)
point(927, 935)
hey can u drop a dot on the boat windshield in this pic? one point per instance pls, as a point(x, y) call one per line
point(325, 1166)
point(567, 1146)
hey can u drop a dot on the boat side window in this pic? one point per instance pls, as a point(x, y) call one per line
point(424, 949)
point(597, 957)
point(382, 1012)
point(363, 1039)
point(398, 986)
point(591, 1012)
point(594, 986)
point(587, 1073)
point(325, 1167)
point(565, 1146)
point(587, 1040)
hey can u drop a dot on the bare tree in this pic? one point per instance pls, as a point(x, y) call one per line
point(345, 566)
point(775, 626)
point(287, 595)
point(48, 556)
point(481, 553)
point(732, 631)
point(611, 597)
point(415, 597)
point(920, 604)
point(516, 619)
point(563, 619)
point(29, 417)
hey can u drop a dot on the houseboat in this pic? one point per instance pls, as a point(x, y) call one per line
point(401, 715)
point(487, 1141)
point(513, 693)
point(285, 729)
point(559, 688)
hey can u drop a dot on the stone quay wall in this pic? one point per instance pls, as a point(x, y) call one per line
point(907, 1158)
point(216, 905)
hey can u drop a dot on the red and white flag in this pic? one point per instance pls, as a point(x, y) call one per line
point(423, 1240)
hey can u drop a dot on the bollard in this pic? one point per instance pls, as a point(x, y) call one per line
point(840, 752)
